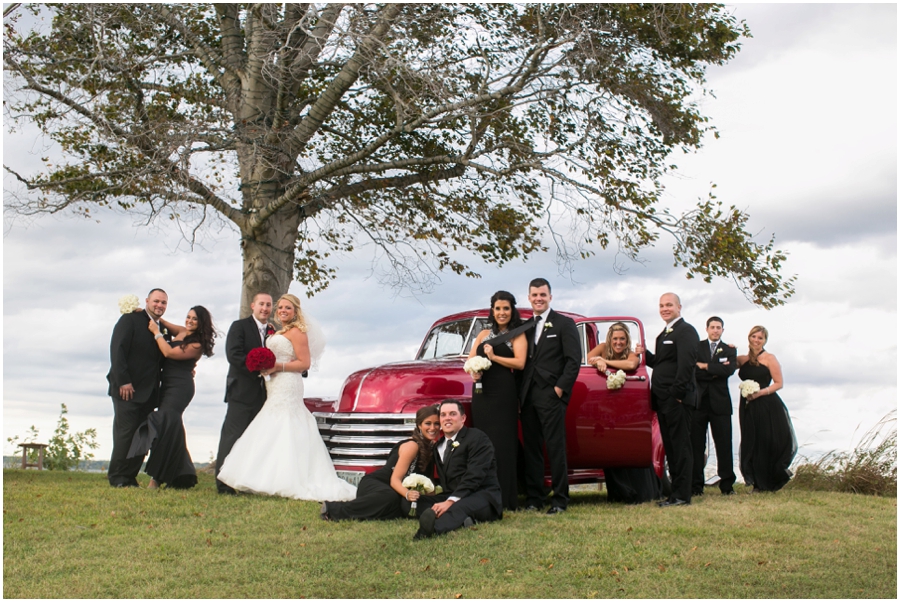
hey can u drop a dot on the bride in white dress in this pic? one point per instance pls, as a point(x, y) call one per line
point(281, 452)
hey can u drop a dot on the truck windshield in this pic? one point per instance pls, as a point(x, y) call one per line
point(451, 339)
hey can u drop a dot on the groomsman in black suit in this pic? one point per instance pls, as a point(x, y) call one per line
point(716, 361)
point(468, 473)
point(673, 393)
point(554, 357)
point(245, 391)
point(133, 377)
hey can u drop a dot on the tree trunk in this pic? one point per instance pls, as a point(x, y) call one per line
point(268, 253)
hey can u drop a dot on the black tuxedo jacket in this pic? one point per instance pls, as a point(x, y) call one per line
point(134, 357)
point(241, 385)
point(555, 360)
point(674, 364)
point(713, 382)
point(470, 468)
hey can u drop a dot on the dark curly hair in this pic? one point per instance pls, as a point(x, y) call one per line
point(205, 333)
point(426, 446)
point(515, 319)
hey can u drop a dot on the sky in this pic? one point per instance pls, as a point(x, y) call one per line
point(807, 119)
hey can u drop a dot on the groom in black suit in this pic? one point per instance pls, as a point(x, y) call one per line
point(716, 361)
point(245, 391)
point(133, 377)
point(468, 473)
point(673, 392)
point(554, 357)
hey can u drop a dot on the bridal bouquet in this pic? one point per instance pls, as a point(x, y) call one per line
point(420, 483)
point(128, 304)
point(476, 364)
point(615, 381)
point(749, 387)
point(260, 358)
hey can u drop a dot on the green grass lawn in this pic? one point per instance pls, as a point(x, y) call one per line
point(69, 535)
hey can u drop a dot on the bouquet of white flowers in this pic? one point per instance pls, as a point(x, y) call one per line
point(420, 483)
point(749, 387)
point(128, 304)
point(476, 364)
point(615, 381)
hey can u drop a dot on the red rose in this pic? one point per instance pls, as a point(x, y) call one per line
point(260, 358)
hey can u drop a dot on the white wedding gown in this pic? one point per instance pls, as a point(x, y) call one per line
point(281, 452)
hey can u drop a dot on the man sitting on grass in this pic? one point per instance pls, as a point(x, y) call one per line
point(468, 474)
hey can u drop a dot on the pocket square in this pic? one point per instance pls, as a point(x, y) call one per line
point(723, 360)
point(668, 342)
point(550, 336)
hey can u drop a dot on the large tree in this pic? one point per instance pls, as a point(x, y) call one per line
point(429, 131)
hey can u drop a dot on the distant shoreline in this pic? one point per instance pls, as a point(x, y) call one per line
point(91, 466)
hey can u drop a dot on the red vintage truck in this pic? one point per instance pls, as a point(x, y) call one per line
point(377, 406)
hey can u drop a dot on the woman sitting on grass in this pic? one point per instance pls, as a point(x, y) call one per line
point(381, 494)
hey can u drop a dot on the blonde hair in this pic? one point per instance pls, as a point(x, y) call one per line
point(609, 353)
point(752, 357)
point(298, 322)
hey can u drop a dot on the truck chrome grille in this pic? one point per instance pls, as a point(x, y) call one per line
point(362, 439)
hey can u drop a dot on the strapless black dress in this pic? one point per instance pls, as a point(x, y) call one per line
point(768, 443)
point(375, 498)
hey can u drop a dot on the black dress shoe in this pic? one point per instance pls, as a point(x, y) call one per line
point(124, 485)
point(729, 492)
point(531, 508)
point(323, 511)
point(555, 510)
point(673, 502)
point(426, 524)
point(469, 522)
point(698, 492)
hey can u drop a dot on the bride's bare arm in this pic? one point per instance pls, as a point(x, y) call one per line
point(301, 349)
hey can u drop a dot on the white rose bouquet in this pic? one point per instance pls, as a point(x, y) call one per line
point(476, 364)
point(615, 381)
point(128, 304)
point(420, 483)
point(749, 387)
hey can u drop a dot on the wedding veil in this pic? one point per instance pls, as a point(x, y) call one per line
point(316, 337)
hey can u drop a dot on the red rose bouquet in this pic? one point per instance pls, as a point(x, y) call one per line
point(260, 358)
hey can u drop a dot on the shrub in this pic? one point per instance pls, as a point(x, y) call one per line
point(65, 451)
point(870, 468)
point(31, 437)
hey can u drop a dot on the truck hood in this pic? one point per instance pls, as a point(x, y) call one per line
point(404, 386)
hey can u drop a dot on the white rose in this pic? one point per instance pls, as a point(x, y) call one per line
point(128, 304)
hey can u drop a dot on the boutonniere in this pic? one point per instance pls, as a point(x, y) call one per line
point(455, 444)
point(270, 330)
point(165, 331)
point(718, 350)
point(548, 325)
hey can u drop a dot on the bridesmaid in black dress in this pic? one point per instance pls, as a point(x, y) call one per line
point(623, 485)
point(768, 443)
point(495, 404)
point(381, 494)
point(170, 462)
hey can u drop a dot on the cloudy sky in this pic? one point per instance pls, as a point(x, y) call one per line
point(807, 115)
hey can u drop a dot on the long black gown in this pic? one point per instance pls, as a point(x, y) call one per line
point(375, 498)
point(495, 410)
point(163, 432)
point(768, 443)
